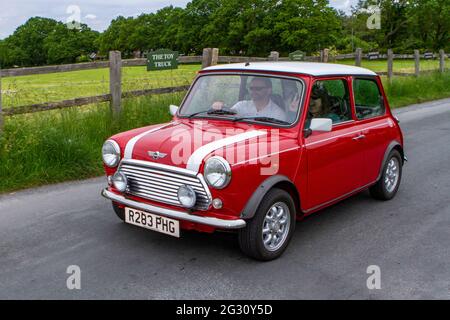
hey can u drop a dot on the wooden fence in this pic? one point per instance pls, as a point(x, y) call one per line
point(210, 57)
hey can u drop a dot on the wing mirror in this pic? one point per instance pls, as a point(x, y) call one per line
point(173, 109)
point(319, 124)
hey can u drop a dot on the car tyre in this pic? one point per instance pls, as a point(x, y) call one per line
point(387, 186)
point(269, 232)
point(120, 212)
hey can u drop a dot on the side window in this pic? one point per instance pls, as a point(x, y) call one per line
point(368, 99)
point(330, 99)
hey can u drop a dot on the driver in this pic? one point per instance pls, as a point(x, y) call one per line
point(261, 104)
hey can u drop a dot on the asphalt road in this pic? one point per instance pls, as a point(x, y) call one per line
point(45, 230)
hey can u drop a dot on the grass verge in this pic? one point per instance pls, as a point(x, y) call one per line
point(62, 145)
point(403, 91)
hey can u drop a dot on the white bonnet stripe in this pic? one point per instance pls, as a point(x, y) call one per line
point(130, 145)
point(198, 155)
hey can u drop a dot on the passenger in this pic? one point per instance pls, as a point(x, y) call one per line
point(261, 104)
point(319, 105)
point(291, 97)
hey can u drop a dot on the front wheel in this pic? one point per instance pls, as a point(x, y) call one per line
point(389, 182)
point(267, 235)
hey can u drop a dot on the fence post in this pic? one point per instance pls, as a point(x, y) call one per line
point(214, 56)
point(441, 61)
point(390, 66)
point(274, 56)
point(206, 58)
point(358, 57)
point(1, 110)
point(417, 60)
point(115, 81)
point(326, 53)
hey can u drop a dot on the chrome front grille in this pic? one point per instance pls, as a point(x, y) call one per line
point(160, 183)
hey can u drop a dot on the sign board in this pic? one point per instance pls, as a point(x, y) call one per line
point(428, 55)
point(162, 59)
point(93, 55)
point(297, 56)
point(373, 55)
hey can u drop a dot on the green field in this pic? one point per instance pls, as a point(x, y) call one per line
point(404, 65)
point(54, 87)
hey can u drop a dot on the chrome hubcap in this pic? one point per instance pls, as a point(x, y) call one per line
point(276, 226)
point(392, 174)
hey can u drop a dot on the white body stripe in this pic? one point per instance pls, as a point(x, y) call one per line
point(198, 155)
point(130, 145)
point(344, 134)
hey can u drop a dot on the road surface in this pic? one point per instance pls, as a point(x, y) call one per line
point(45, 230)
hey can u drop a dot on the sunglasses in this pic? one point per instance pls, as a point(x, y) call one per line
point(257, 88)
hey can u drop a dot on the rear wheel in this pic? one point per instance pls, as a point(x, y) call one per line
point(267, 235)
point(120, 212)
point(387, 187)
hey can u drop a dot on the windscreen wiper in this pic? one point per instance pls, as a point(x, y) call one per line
point(262, 119)
point(218, 112)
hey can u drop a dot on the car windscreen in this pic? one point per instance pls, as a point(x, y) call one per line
point(245, 98)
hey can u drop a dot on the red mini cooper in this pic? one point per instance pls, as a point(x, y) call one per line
point(255, 147)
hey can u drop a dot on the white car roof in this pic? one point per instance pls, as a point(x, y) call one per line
point(310, 68)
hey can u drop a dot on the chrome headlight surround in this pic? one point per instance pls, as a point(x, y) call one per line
point(217, 172)
point(111, 153)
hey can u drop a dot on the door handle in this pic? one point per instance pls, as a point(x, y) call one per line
point(361, 136)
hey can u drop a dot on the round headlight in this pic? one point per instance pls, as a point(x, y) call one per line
point(217, 172)
point(187, 196)
point(119, 181)
point(111, 153)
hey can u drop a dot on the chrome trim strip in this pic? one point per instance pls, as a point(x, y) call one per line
point(206, 187)
point(161, 166)
point(198, 155)
point(179, 215)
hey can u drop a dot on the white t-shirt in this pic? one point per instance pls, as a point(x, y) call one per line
point(247, 108)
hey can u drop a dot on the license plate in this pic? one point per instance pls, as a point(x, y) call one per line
point(152, 221)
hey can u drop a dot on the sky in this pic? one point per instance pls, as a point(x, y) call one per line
point(95, 13)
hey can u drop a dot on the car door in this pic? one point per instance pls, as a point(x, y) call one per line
point(375, 124)
point(334, 158)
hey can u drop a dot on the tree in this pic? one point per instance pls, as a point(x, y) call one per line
point(66, 45)
point(45, 41)
point(116, 37)
point(431, 23)
point(28, 42)
point(310, 25)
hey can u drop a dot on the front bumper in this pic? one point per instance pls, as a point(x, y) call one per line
point(175, 214)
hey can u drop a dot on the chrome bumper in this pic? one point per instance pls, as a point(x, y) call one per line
point(170, 213)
